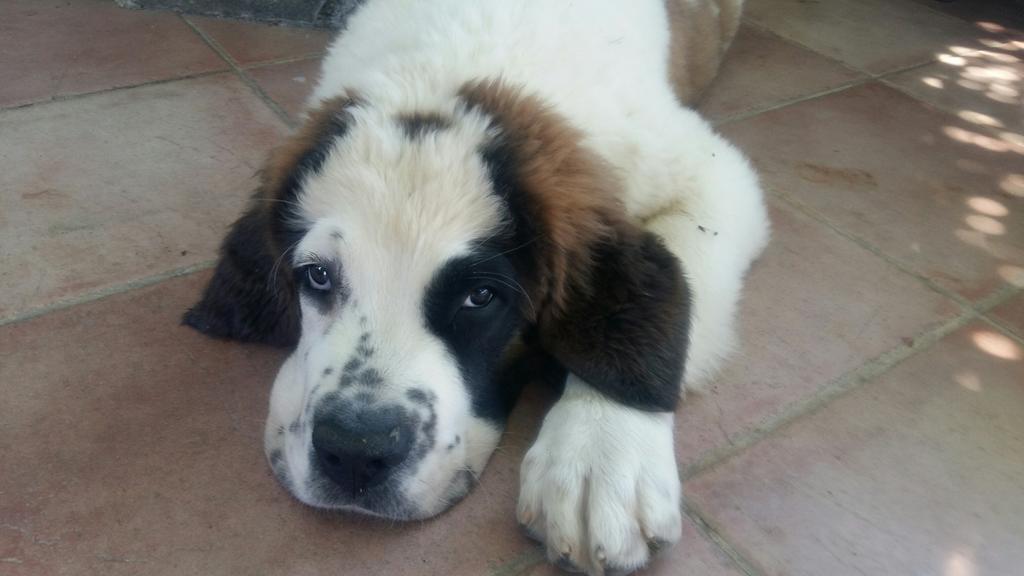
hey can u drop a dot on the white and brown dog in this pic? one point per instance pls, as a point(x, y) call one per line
point(482, 189)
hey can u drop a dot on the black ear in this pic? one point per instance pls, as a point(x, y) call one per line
point(249, 298)
point(625, 330)
point(252, 296)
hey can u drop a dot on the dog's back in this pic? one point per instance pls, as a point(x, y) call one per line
point(577, 55)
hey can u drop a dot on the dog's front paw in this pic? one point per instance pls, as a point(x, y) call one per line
point(600, 487)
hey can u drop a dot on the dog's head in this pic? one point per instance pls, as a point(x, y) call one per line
point(406, 256)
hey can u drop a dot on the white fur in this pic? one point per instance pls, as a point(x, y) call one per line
point(601, 481)
point(604, 67)
point(600, 484)
point(391, 211)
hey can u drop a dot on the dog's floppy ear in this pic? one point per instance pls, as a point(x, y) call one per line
point(612, 304)
point(248, 299)
point(625, 330)
point(251, 296)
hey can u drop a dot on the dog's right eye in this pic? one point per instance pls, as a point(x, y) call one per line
point(318, 277)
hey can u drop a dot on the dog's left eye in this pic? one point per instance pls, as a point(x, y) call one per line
point(318, 277)
point(478, 298)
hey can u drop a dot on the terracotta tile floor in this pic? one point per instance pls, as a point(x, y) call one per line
point(871, 424)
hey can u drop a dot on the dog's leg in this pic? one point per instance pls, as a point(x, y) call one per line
point(600, 487)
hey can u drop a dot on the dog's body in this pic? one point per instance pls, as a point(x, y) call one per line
point(478, 178)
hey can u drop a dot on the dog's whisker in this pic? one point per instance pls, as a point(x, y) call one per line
point(507, 281)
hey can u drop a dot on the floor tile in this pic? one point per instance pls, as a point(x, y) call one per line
point(1004, 13)
point(984, 86)
point(871, 35)
point(694, 554)
point(916, 473)
point(941, 195)
point(138, 448)
point(1011, 314)
point(288, 84)
point(816, 307)
point(115, 187)
point(54, 48)
point(762, 70)
point(251, 43)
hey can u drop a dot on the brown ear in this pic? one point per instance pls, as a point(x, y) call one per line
point(612, 303)
point(251, 296)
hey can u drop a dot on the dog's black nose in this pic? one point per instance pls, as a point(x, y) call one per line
point(360, 450)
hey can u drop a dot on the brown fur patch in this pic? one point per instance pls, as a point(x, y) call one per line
point(700, 34)
point(571, 193)
point(614, 307)
point(286, 160)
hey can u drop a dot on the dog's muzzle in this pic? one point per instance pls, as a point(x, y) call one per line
point(360, 449)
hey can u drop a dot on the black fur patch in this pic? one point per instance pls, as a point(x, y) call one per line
point(477, 337)
point(370, 377)
point(354, 364)
point(249, 297)
point(626, 332)
point(628, 337)
point(420, 125)
point(428, 428)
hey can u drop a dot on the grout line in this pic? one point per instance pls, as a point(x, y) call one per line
point(866, 78)
point(288, 60)
point(902, 69)
point(240, 72)
point(715, 536)
point(106, 292)
point(786, 103)
point(1006, 330)
point(865, 245)
point(77, 95)
point(838, 387)
point(874, 75)
point(764, 29)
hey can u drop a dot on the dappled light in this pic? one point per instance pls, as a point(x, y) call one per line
point(995, 344)
point(1015, 140)
point(1013, 184)
point(1012, 274)
point(986, 225)
point(993, 27)
point(987, 206)
point(977, 139)
point(992, 67)
point(952, 60)
point(972, 238)
point(979, 118)
point(968, 380)
point(960, 564)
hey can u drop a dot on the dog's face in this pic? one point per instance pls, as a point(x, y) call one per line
point(388, 404)
point(405, 256)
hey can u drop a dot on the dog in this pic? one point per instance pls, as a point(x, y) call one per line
point(484, 192)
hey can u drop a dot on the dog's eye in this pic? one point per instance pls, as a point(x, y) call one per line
point(478, 298)
point(318, 277)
